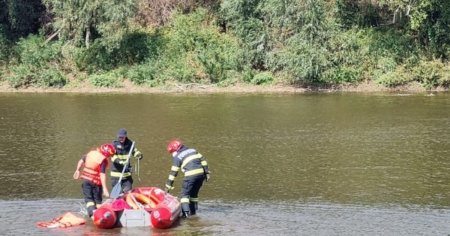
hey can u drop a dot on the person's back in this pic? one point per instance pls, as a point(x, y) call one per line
point(195, 169)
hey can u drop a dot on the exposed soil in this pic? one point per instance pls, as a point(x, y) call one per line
point(366, 87)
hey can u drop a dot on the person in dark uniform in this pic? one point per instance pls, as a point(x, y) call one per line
point(119, 160)
point(94, 165)
point(195, 169)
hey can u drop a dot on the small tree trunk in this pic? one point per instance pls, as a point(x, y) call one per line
point(88, 35)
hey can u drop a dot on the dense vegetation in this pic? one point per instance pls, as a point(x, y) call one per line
point(155, 42)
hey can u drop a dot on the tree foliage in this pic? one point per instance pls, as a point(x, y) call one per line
point(82, 21)
point(152, 42)
point(20, 17)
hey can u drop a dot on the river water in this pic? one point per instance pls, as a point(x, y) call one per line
point(287, 164)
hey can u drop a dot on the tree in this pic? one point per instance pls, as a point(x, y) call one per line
point(82, 21)
point(18, 18)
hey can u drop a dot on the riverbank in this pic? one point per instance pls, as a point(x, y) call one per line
point(127, 87)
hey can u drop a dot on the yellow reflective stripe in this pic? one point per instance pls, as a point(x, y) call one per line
point(194, 199)
point(204, 163)
point(171, 177)
point(118, 174)
point(114, 158)
point(122, 157)
point(194, 172)
point(89, 204)
point(184, 200)
point(190, 158)
point(169, 187)
point(175, 168)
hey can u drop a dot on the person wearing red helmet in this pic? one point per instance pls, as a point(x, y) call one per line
point(94, 165)
point(120, 161)
point(195, 169)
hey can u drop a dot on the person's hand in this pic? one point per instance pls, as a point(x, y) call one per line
point(207, 177)
point(139, 156)
point(105, 192)
point(76, 175)
point(167, 189)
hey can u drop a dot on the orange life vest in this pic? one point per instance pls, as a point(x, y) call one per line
point(91, 170)
point(64, 221)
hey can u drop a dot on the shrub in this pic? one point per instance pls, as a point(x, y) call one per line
point(394, 78)
point(197, 51)
point(25, 75)
point(4, 48)
point(129, 49)
point(262, 78)
point(51, 78)
point(342, 74)
point(429, 73)
point(107, 80)
point(35, 52)
point(142, 74)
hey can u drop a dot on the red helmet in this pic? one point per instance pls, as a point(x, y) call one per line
point(174, 145)
point(108, 150)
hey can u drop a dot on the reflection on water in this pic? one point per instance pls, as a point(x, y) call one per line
point(245, 218)
point(316, 161)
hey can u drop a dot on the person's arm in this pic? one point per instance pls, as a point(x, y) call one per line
point(103, 181)
point(205, 167)
point(172, 174)
point(76, 174)
point(103, 178)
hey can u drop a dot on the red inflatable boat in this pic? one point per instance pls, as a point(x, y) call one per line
point(145, 206)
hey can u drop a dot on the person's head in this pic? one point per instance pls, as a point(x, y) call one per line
point(122, 135)
point(174, 146)
point(108, 150)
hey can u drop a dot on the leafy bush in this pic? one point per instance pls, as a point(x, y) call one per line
point(39, 64)
point(342, 74)
point(26, 75)
point(4, 48)
point(262, 78)
point(197, 51)
point(51, 78)
point(429, 73)
point(107, 80)
point(131, 48)
point(22, 76)
point(143, 74)
point(34, 51)
point(394, 78)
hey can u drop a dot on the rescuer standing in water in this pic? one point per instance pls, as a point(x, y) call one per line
point(119, 161)
point(94, 165)
point(195, 169)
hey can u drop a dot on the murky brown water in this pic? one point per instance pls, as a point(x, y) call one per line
point(312, 164)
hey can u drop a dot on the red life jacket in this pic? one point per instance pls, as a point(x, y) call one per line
point(91, 170)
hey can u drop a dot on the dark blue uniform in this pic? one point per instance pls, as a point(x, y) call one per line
point(195, 169)
point(118, 164)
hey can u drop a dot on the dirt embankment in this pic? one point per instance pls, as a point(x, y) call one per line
point(366, 87)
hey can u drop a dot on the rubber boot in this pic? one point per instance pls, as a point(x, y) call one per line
point(185, 210)
point(193, 208)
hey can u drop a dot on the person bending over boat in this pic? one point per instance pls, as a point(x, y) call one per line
point(94, 165)
point(195, 169)
point(120, 161)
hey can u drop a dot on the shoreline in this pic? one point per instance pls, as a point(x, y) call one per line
point(128, 88)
